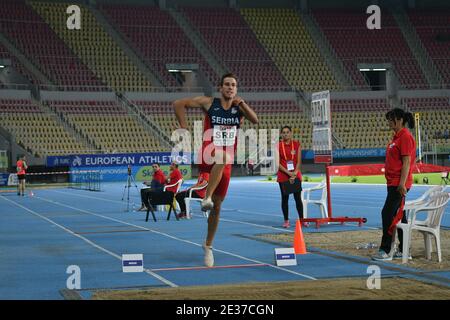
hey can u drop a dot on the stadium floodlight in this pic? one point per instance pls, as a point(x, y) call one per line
point(182, 71)
point(5, 63)
point(372, 69)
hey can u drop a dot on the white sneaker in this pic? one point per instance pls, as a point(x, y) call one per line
point(209, 257)
point(382, 256)
point(399, 255)
point(207, 204)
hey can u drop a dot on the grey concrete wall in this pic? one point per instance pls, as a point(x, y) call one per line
point(74, 95)
point(14, 94)
point(254, 96)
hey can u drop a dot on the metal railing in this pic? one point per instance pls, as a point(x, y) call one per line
point(268, 88)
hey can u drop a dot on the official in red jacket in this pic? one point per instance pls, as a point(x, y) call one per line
point(400, 158)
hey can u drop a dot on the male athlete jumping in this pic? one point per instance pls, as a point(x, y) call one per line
point(222, 120)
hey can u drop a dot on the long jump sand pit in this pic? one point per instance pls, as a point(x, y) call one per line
point(347, 241)
point(392, 288)
point(334, 289)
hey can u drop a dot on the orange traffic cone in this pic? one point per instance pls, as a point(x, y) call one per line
point(299, 242)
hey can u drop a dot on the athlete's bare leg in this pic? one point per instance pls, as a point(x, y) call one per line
point(21, 187)
point(222, 158)
point(213, 219)
point(213, 222)
point(214, 179)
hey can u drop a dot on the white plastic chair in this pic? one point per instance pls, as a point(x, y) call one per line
point(178, 184)
point(423, 198)
point(322, 202)
point(435, 208)
point(189, 199)
point(412, 204)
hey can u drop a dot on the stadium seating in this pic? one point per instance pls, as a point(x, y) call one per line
point(272, 114)
point(157, 38)
point(358, 123)
point(424, 104)
point(27, 31)
point(361, 123)
point(6, 54)
point(353, 43)
point(358, 105)
point(234, 43)
point(430, 27)
point(94, 47)
point(107, 124)
point(266, 48)
point(434, 117)
point(36, 131)
point(367, 129)
point(291, 47)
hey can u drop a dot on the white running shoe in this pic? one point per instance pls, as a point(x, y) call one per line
point(209, 257)
point(207, 204)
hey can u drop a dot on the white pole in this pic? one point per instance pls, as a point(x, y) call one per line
point(418, 139)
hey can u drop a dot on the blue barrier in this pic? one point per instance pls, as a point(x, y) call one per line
point(4, 179)
point(115, 159)
point(349, 153)
point(120, 173)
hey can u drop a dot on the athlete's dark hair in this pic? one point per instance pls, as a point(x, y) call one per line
point(398, 114)
point(286, 127)
point(227, 75)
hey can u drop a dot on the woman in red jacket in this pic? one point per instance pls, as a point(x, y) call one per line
point(400, 158)
point(289, 158)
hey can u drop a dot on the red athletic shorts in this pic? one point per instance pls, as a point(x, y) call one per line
point(222, 187)
point(205, 166)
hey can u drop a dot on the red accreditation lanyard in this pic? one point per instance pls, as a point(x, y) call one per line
point(284, 150)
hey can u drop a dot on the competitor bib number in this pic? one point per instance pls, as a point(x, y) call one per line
point(224, 136)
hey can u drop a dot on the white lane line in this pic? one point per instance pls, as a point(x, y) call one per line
point(169, 283)
point(89, 197)
point(353, 202)
point(224, 209)
point(179, 239)
point(336, 202)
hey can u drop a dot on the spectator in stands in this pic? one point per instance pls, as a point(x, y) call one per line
point(175, 176)
point(21, 167)
point(400, 158)
point(445, 134)
point(202, 181)
point(157, 183)
point(288, 160)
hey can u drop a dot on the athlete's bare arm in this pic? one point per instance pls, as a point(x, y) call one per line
point(196, 102)
point(248, 112)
